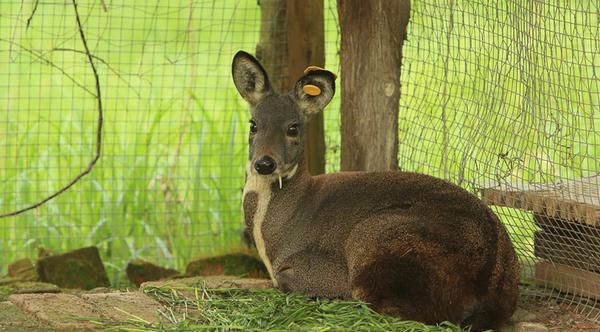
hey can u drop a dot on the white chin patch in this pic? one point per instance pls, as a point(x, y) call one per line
point(291, 173)
point(287, 175)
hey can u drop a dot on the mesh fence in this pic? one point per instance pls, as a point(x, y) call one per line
point(168, 185)
point(502, 98)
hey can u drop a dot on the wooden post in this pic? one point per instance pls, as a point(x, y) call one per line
point(271, 49)
point(372, 34)
point(291, 39)
point(306, 46)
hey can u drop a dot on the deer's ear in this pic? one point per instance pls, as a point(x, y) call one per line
point(250, 78)
point(314, 90)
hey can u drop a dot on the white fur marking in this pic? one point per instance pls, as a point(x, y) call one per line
point(262, 187)
point(292, 172)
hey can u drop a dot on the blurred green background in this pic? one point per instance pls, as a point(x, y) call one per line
point(492, 93)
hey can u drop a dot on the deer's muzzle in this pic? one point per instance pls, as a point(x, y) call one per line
point(265, 165)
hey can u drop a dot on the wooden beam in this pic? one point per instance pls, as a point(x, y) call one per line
point(576, 199)
point(568, 279)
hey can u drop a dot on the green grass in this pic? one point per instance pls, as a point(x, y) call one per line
point(497, 97)
point(234, 309)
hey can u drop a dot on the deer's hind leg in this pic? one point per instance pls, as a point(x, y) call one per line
point(398, 273)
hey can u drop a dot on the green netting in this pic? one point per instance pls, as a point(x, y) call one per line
point(168, 185)
point(501, 97)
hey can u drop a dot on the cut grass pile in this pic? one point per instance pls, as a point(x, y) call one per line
point(235, 309)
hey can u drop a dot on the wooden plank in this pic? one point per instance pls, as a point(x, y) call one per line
point(567, 250)
point(568, 279)
point(576, 199)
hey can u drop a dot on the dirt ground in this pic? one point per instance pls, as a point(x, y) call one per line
point(558, 316)
point(64, 311)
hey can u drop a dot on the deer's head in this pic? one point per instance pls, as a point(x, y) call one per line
point(278, 121)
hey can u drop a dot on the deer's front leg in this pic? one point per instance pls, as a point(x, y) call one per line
point(313, 273)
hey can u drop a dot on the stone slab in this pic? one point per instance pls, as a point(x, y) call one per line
point(25, 287)
point(59, 311)
point(15, 320)
point(126, 306)
point(211, 282)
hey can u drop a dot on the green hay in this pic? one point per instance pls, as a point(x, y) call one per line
point(235, 309)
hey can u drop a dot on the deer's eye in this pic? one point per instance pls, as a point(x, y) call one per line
point(253, 128)
point(292, 130)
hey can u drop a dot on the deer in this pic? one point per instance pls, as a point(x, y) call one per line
point(408, 244)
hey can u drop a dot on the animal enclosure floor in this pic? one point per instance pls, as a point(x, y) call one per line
point(556, 316)
point(193, 304)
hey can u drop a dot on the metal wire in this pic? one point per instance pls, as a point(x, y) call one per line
point(502, 98)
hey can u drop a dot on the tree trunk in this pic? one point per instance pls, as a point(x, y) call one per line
point(372, 34)
point(291, 39)
point(306, 46)
point(271, 49)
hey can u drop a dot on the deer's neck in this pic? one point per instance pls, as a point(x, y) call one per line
point(259, 194)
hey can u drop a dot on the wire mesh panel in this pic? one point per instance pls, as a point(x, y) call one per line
point(503, 98)
point(169, 181)
point(168, 184)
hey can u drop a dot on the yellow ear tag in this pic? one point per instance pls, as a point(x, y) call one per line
point(311, 90)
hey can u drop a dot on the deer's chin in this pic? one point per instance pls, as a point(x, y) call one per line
point(280, 176)
point(289, 172)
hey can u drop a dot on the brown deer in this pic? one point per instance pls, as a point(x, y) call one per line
point(411, 245)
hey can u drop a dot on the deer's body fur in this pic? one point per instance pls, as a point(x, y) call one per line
point(411, 245)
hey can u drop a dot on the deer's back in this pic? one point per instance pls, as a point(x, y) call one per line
point(352, 197)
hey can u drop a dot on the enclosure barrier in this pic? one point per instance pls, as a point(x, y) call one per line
point(500, 97)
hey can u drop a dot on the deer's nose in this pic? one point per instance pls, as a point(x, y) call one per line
point(265, 165)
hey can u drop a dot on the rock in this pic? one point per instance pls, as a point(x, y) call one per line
point(139, 271)
point(236, 264)
point(126, 306)
point(525, 327)
point(186, 286)
point(7, 280)
point(26, 287)
point(522, 315)
point(13, 319)
point(211, 282)
point(23, 269)
point(34, 287)
point(81, 268)
point(102, 290)
point(60, 311)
